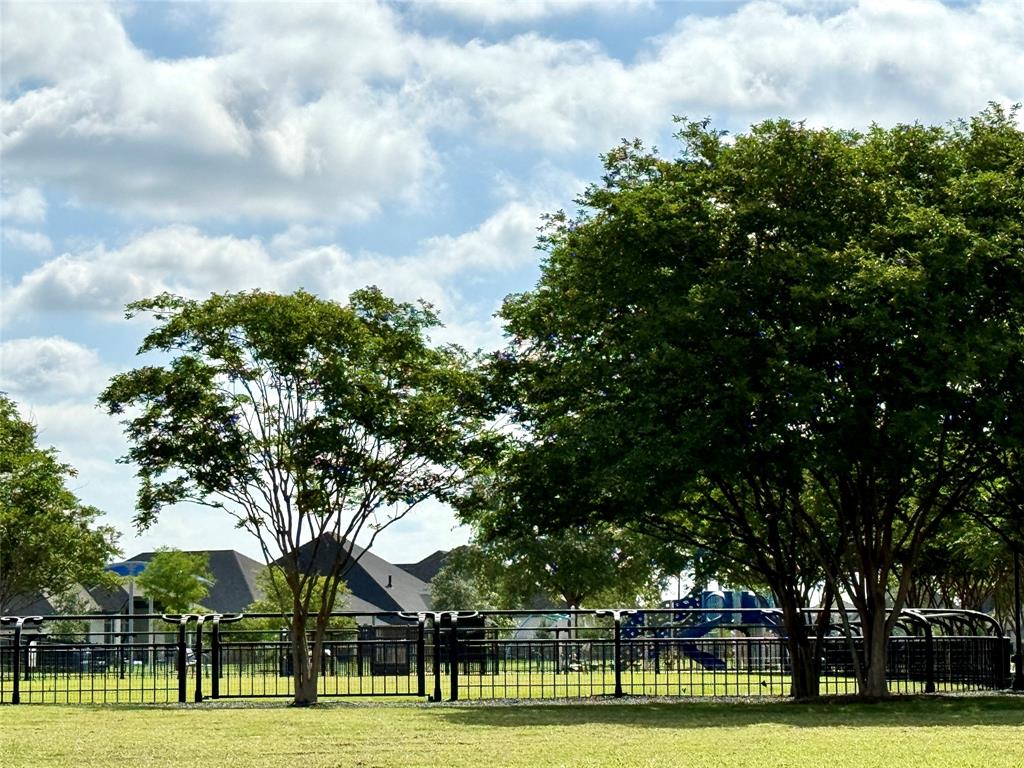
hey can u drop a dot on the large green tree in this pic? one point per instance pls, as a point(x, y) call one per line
point(49, 540)
point(176, 580)
point(302, 418)
point(798, 340)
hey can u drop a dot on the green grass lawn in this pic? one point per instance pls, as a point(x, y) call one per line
point(985, 732)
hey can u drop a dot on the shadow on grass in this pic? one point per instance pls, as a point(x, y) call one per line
point(924, 711)
point(909, 712)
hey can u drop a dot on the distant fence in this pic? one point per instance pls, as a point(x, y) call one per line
point(476, 655)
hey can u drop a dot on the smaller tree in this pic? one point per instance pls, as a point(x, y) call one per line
point(464, 583)
point(177, 580)
point(304, 419)
point(567, 564)
point(965, 565)
point(68, 603)
point(597, 565)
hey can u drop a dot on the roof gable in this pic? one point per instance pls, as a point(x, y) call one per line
point(427, 568)
point(375, 584)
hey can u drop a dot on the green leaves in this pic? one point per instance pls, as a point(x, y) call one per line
point(176, 581)
point(260, 384)
point(49, 540)
point(810, 336)
point(306, 420)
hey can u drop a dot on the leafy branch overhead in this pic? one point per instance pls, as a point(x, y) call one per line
point(49, 540)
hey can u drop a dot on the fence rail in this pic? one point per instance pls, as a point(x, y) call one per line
point(474, 655)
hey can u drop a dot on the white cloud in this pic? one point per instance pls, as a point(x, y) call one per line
point(532, 90)
point(847, 66)
point(184, 260)
point(36, 242)
point(875, 61)
point(85, 435)
point(326, 112)
point(502, 11)
point(502, 240)
point(26, 205)
point(42, 370)
point(51, 42)
point(429, 527)
point(282, 123)
point(178, 259)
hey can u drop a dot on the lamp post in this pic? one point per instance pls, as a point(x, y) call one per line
point(129, 569)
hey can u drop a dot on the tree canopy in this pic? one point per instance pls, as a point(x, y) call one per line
point(520, 562)
point(795, 344)
point(301, 417)
point(49, 540)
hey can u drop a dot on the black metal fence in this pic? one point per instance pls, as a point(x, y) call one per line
point(476, 655)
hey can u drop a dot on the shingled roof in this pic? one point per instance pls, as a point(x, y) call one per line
point(376, 584)
point(234, 586)
point(427, 568)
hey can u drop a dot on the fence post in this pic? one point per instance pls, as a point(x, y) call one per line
point(215, 658)
point(182, 662)
point(181, 619)
point(616, 614)
point(18, 622)
point(453, 657)
point(618, 656)
point(215, 651)
point(1018, 670)
point(437, 656)
point(929, 649)
point(198, 650)
point(16, 690)
point(929, 659)
point(421, 650)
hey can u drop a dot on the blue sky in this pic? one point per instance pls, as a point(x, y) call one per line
point(215, 147)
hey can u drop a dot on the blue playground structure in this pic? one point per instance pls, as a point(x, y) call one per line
point(740, 611)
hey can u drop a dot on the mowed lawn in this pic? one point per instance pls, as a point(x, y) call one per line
point(986, 732)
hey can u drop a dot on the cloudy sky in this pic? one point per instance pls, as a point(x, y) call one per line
point(215, 147)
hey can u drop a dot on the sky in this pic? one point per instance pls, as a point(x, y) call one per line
point(212, 147)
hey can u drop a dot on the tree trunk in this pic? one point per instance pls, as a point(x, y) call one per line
point(303, 665)
point(876, 654)
point(805, 671)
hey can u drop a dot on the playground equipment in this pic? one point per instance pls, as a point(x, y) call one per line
point(742, 612)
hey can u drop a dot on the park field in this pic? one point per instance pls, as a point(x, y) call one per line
point(974, 731)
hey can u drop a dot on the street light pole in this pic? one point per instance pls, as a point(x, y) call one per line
point(129, 569)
